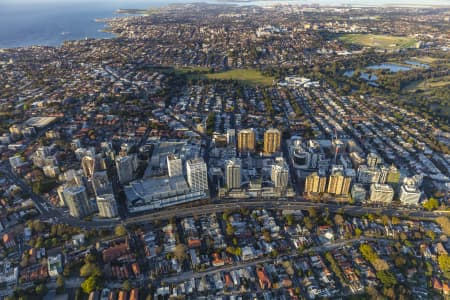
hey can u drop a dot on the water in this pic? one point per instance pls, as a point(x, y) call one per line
point(51, 22)
point(394, 68)
point(34, 22)
point(417, 64)
point(363, 75)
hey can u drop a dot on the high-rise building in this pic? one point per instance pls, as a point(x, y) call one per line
point(373, 160)
point(409, 194)
point(356, 159)
point(107, 206)
point(272, 141)
point(368, 175)
point(77, 200)
point(338, 184)
point(125, 168)
point(393, 176)
point(51, 171)
point(174, 165)
point(381, 193)
point(101, 183)
point(197, 174)
point(233, 174)
point(280, 175)
point(231, 137)
point(384, 171)
point(88, 166)
point(358, 192)
point(315, 183)
point(60, 191)
point(246, 140)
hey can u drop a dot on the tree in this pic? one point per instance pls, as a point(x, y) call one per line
point(289, 219)
point(312, 212)
point(41, 289)
point(387, 278)
point(444, 264)
point(368, 252)
point(92, 283)
point(126, 286)
point(338, 220)
point(38, 226)
point(60, 282)
point(399, 261)
point(120, 230)
point(444, 222)
point(380, 264)
point(431, 234)
point(372, 292)
point(429, 268)
point(89, 269)
point(180, 252)
point(431, 204)
point(229, 229)
point(395, 221)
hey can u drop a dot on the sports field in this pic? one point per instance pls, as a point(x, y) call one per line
point(429, 83)
point(388, 42)
point(247, 76)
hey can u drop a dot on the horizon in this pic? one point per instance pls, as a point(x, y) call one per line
point(130, 4)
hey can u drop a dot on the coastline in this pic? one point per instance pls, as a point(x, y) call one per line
point(22, 38)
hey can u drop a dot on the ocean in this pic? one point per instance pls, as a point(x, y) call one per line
point(51, 22)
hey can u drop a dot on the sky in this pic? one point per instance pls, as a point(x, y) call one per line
point(145, 3)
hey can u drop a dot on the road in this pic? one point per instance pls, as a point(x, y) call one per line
point(239, 265)
point(57, 215)
point(49, 212)
point(295, 204)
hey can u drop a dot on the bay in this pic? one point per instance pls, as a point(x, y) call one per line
point(51, 22)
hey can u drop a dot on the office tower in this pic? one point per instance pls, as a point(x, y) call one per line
point(356, 159)
point(174, 166)
point(107, 206)
point(246, 140)
point(315, 183)
point(231, 137)
point(301, 158)
point(125, 168)
point(368, 175)
point(280, 175)
point(60, 191)
point(409, 194)
point(40, 156)
point(384, 171)
point(77, 200)
point(393, 176)
point(272, 141)
point(101, 183)
point(88, 166)
point(51, 171)
point(197, 174)
point(338, 147)
point(338, 184)
point(358, 192)
point(233, 174)
point(373, 160)
point(381, 193)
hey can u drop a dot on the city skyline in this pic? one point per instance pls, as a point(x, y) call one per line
point(224, 151)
